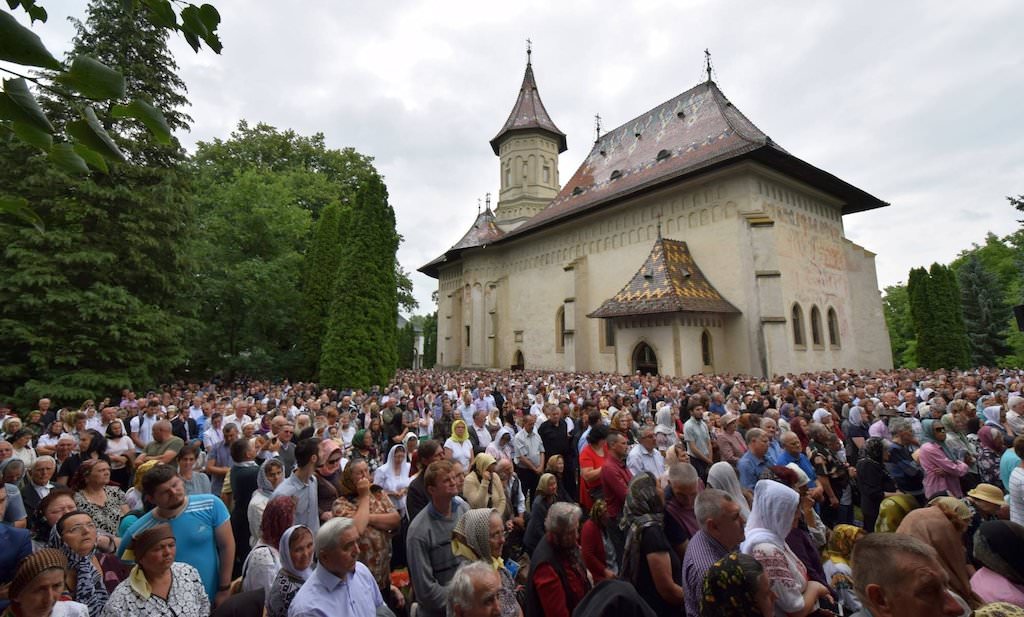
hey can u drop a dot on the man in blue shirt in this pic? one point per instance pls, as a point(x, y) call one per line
point(341, 585)
point(201, 525)
point(15, 545)
point(754, 461)
point(793, 453)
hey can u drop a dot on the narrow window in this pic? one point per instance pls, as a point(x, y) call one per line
point(798, 326)
point(609, 333)
point(816, 326)
point(467, 336)
point(547, 175)
point(833, 327)
point(705, 348)
point(560, 329)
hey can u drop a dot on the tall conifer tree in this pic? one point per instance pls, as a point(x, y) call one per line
point(986, 313)
point(99, 301)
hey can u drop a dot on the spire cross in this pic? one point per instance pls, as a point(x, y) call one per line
point(529, 50)
point(478, 205)
point(597, 126)
point(707, 63)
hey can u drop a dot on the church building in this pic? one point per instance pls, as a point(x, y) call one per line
point(687, 242)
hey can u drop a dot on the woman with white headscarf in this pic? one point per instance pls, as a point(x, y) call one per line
point(501, 446)
point(775, 512)
point(665, 427)
point(723, 477)
point(393, 477)
point(270, 475)
point(296, 554)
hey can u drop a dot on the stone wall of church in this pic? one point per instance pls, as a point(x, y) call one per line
point(766, 243)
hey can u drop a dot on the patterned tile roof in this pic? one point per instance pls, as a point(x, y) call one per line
point(529, 114)
point(483, 231)
point(690, 133)
point(669, 281)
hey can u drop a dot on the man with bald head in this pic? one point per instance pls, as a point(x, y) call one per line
point(164, 447)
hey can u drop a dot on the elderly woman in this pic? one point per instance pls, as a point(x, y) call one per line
point(873, 480)
point(458, 446)
point(737, 586)
point(832, 473)
point(479, 535)
point(775, 512)
point(723, 477)
point(94, 495)
point(393, 477)
point(501, 446)
point(483, 487)
point(596, 546)
point(262, 564)
point(731, 445)
point(91, 445)
point(942, 467)
point(159, 586)
point(363, 448)
point(856, 430)
point(21, 442)
point(556, 467)
point(648, 561)
point(375, 517)
point(75, 535)
point(999, 547)
point(12, 470)
point(558, 580)
point(991, 445)
point(328, 473)
point(37, 587)
point(942, 529)
point(296, 553)
point(269, 477)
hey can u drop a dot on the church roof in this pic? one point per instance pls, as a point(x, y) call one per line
point(483, 231)
point(529, 114)
point(691, 133)
point(669, 281)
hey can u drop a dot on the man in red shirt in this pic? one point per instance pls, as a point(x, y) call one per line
point(615, 477)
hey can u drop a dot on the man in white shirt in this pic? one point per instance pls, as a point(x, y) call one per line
point(644, 456)
point(483, 436)
point(215, 434)
point(142, 426)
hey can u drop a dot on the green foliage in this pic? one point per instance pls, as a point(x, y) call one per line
point(88, 76)
point(430, 340)
point(986, 313)
point(318, 276)
point(406, 345)
point(360, 346)
point(100, 301)
point(938, 322)
point(406, 300)
point(896, 308)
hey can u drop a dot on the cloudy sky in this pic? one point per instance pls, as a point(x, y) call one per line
point(918, 103)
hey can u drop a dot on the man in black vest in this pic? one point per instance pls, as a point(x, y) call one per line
point(554, 434)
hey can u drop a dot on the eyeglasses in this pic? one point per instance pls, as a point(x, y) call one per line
point(82, 527)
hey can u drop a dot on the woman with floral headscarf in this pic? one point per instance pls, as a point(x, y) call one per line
point(375, 516)
point(942, 468)
point(837, 565)
point(737, 586)
point(648, 561)
point(363, 448)
point(458, 447)
point(479, 535)
point(75, 536)
point(774, 514)
point(483, 488)
point(991, 445)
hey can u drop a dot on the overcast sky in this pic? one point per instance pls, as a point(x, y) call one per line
point(918, 103)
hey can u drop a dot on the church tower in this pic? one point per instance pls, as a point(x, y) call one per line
point(528, 146)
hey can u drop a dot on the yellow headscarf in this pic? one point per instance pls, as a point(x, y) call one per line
point(465, 434)
point(840, 545)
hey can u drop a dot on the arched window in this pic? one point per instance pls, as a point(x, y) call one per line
point(833, 328)
point(705, 348)
point(798, 326)
point(644, 360)
point(560, 329)
point(816, 327)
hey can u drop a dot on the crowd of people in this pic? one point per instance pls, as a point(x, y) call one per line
point(512, 494)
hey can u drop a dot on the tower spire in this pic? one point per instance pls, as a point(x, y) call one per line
point(529, 51)
point(707, 63)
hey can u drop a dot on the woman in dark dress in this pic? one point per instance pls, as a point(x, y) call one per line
point(873, 480)
point(648, 560)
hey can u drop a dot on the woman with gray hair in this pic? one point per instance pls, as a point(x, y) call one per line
point(558, 580)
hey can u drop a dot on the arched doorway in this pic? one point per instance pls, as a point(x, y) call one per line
point(518, 363)
point(644, 360)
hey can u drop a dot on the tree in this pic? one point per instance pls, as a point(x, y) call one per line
point(407, 345)
point(360, 346)
point(430, 340)
point(100, 301)
point(274, 206)
point(986, 313)
point(938, 322)
point(896, 308)
point(82, 80)
point(406, 300)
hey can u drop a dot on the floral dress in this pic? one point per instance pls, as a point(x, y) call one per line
point(374, 544)
point(107, 516)
point(186, 597)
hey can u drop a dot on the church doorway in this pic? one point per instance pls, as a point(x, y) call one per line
point(518, 363)
point(644, 360)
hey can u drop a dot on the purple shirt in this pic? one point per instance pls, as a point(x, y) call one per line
point(701, 553)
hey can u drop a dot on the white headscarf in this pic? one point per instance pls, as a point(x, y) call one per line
point(392, 480)
point(498, 451)
point(771, 518)
point(285, 551)
point(723, 477)
point(820, 413)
